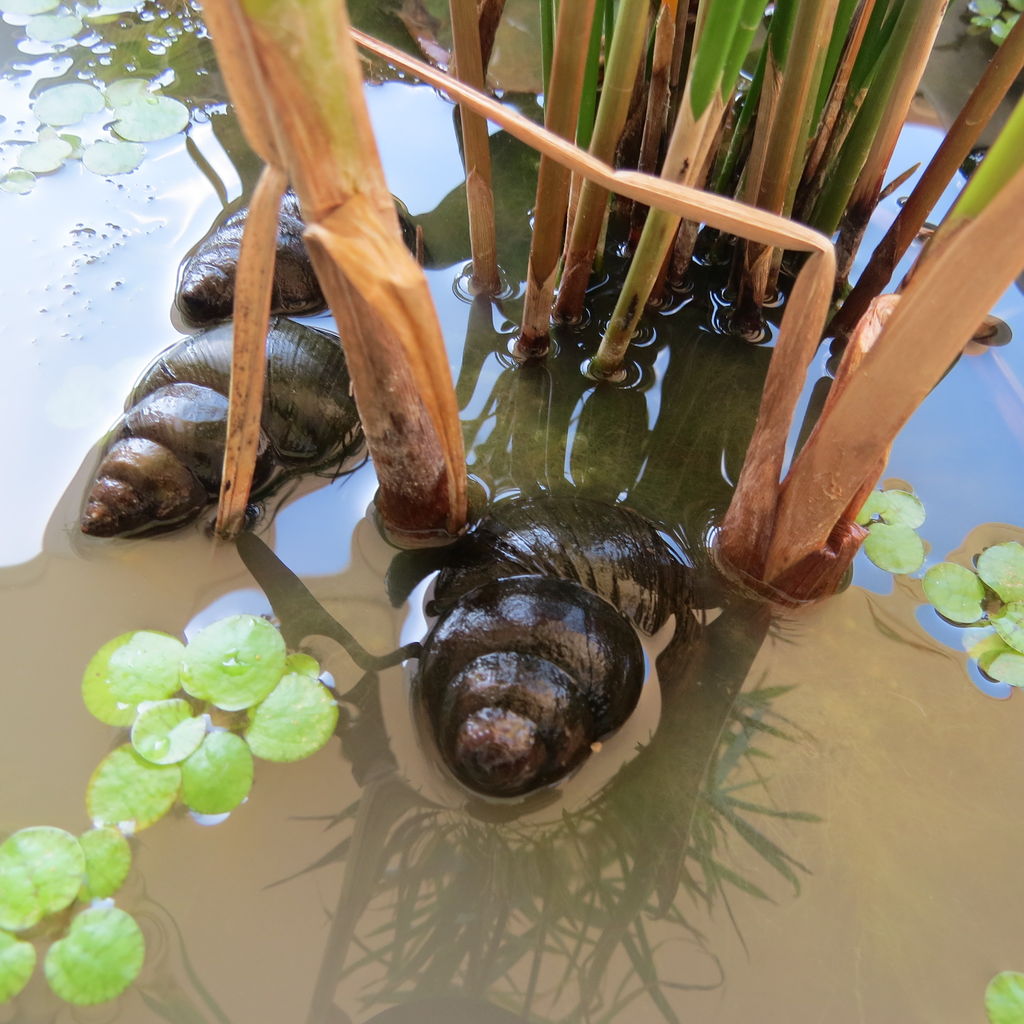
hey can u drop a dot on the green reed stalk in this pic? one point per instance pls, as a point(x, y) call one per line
point(561, 113)
point(547, 40)
point(846, 11)
point(797, 45)
point(866, 192)
point(622, 63)
point(738, 141)
point(1005, 67)
point(724, 33)
point(886, 81)
point(476, 149)
point(591, 78)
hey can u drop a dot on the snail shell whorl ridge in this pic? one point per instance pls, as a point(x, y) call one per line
point(162, 463)
point(206, 286)
point(535, 656)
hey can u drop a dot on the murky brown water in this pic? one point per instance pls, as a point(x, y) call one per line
point(884, 887)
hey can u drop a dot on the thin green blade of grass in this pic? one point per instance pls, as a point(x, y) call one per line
point(1001, 73)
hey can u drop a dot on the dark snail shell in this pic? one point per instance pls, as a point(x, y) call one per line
point(536, 654)
point(206, 281)
point(162, 463)
point(206, 288)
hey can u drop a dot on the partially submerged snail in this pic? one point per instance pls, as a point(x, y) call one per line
point(162, 463)
point(206, 281)
point(535, 655)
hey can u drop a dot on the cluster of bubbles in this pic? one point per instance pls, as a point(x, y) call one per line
point(198, 715)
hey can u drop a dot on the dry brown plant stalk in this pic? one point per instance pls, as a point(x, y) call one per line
point(312, 128)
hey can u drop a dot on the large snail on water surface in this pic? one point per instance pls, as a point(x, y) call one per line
point(161, 465)
point(535, 654)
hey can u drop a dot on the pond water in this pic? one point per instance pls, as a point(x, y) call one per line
point(826, 824)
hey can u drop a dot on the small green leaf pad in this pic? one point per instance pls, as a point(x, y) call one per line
point(166, 731)
point(896, 549)
point(1009, 624)
point(127, 791)
point(955, 592)
point(53, 28)
point(218, 776)
point(895, 508)
point(45, 156)
point(1007, 667)
point(234, 663)
point(296, 720)
point(100, 956)
point(131, 668)
point(148, 118)
point(67, 104)
point(41, 871)
point(108, 158)
point(17, 961)
point(1002, 568)
point(108, 859)
point(1004, 998)
point(303, 664)
point(27, 6)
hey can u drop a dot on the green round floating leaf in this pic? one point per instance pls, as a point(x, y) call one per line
point(107, 158)
point(27, 6)
point(18, 181)
point(1007, 667)
point(53, 28)
point(895, 508)
point(218, 776)
point(303, 664)
point(17, 961)
point(68, 104)
point(128, 791)
point(988, 648)
point(148, 118)
point(41, 871)
point(166, 731)
point(234, 663)
point(45, 156)
point(296, 720)
point(129, 669)
point(1002, 568)
point(896, 549)
point(955, 592)
point(100, 956)
point(124, 91)
point(1004, 998)
point(1009, 624)
point(108, 859)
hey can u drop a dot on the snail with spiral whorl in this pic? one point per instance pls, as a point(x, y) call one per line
point(162, 463)
point(535, 655)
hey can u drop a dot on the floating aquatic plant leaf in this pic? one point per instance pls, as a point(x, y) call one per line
point(234, 663)
point(122, 92)
point(18, 181)
point(896, 549)
point(108, 158)
point(67, 104)
point(149, 118)
point(131, 668)
point(127, 791)
point(955, 592)
point(100, 956)
point(27, 6)
point(1004, 998)
point(218, 776)
point(53, 28)
point(988, 648)
point(1007, 667)
point(45, 156)
point(895, 508)
point(108, 859)
point(986, 8)
point(303, 664)
point(1002, 568)
point(1009, 623)
point(41, 870)
point(296, 720)
point(17, 961)
point(166, 731)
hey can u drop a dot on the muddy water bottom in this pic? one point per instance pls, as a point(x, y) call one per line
point(874, 879)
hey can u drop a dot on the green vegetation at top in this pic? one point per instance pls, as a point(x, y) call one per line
point(996, 17)
point(892, 518)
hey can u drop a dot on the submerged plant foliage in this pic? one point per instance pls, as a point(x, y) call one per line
point(158, 686)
